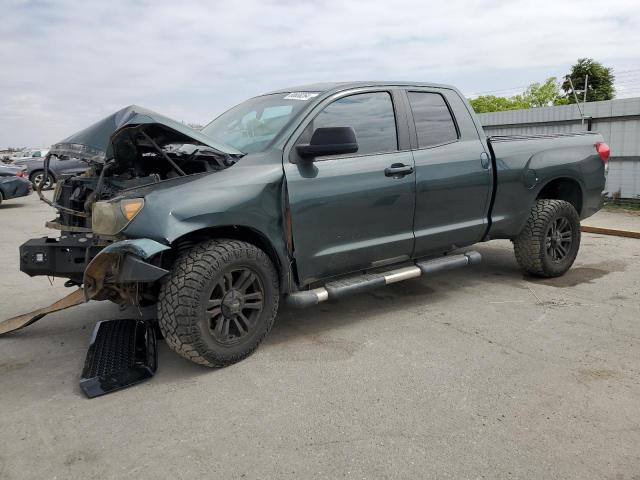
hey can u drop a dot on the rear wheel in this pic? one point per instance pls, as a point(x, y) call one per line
point(219, 302)
point(38, 176)
point(549, 242)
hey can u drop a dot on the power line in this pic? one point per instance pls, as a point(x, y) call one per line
point(622, 84)
point(626, 71)
point(500, 90)
point(524, 87)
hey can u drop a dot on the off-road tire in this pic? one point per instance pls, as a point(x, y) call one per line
point(531, 245)
point(186, 291)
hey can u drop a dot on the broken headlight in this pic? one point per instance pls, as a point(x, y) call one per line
point(110, 218)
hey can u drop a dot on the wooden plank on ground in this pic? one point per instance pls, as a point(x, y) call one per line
point(610, 231)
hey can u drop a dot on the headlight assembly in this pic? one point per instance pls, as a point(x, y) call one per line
point(110, 218)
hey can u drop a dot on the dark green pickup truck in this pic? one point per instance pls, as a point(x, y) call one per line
point(304, 195)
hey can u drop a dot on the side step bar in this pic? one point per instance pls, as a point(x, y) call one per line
point(361, 283)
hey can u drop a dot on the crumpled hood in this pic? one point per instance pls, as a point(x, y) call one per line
point(93, 143)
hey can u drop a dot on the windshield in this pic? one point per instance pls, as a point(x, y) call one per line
point(251, 126)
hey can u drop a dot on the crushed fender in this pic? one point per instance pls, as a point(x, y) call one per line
point(116, 272)
point(21, 321)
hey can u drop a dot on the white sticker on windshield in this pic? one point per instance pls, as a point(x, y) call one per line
point(301, 95)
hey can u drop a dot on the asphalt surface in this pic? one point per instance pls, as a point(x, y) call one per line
point(476, 373)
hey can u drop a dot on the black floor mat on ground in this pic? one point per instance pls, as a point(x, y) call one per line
point(121, 353)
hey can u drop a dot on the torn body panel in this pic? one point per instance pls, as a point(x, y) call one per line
point(121, 271)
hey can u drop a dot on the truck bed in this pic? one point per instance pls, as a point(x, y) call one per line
point(538, 136)
point(525, 164)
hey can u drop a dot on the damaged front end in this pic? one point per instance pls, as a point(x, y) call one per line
point(128, 154)
point(125, 271)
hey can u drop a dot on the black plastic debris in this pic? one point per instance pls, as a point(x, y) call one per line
point(121, 353)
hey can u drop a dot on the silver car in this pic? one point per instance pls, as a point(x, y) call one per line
point(34, 165)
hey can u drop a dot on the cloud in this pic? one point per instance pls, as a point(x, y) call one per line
point(66, 64)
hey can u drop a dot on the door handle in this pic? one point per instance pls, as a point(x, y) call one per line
point(398, 170)
point(484, 160)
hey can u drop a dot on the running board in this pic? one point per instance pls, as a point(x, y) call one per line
point(362, 283)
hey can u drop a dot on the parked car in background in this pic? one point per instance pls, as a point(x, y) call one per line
point(12, 170)
point(5, 155)
point(28, 154)
point(35, 168)
point(13, 182)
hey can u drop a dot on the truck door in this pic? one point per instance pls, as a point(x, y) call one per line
point(353, 211)
point(453, 172)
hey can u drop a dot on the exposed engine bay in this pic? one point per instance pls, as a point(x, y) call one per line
point(127, 155)
point(142, 155)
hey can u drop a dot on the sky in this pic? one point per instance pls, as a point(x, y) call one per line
point(66, 64)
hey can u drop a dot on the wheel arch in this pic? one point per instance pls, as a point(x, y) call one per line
point(563, 188)
point(245, 234)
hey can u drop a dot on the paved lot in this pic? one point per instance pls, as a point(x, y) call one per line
point(618, 220)
point(477, 373)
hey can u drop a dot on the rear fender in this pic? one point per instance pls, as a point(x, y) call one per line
point(521, 176)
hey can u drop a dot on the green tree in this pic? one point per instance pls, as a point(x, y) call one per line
point(600, 83)
point(536, 95)
point(492, 103)
point(544, 94)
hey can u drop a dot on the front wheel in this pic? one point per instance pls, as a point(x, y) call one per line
point(549, 242)
point(219, 302)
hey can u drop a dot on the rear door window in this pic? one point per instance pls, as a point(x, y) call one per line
point(434, 123)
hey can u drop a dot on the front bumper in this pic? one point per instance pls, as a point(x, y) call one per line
point(66, 256)
point(108, 270)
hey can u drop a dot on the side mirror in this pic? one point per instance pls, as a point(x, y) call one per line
point(329, 141)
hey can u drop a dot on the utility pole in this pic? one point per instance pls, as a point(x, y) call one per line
point(584, 101)
point(573, 89)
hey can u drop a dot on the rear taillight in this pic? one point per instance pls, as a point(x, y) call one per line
point(604, 151)
point(20, 174)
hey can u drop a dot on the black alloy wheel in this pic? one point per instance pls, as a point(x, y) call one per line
point(548, 244)
point(235, 305)
point(558, 239)
point(218, 302)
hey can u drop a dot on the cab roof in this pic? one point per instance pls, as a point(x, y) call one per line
point(324, 87)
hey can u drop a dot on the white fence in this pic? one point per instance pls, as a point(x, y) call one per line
point(617, 120)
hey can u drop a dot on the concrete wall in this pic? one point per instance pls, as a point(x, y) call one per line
point(617, 120)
